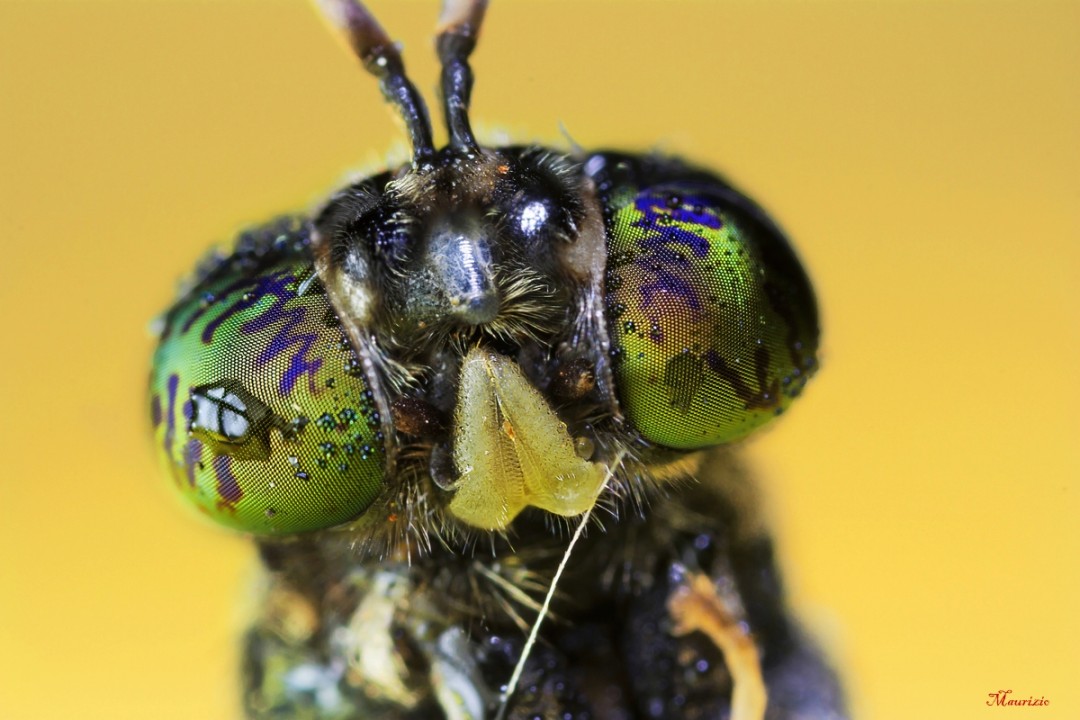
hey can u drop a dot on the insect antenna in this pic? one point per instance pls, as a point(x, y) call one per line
point(381, 58)
point(459, 27)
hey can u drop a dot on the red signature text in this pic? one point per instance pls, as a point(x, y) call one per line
point(1001, 697)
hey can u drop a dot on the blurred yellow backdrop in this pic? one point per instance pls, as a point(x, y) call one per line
point(923, 155)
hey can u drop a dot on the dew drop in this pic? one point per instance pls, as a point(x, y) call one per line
point(353, 368)
point(584, 447)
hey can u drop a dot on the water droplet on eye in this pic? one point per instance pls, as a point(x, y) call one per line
point(330, 382)
point(302, 475)
point(293, 460)
point(270, 512)
point(248, 296)
point(207, 299)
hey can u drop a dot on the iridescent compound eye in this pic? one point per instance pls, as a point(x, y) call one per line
point(259, 407)
point(712, 318)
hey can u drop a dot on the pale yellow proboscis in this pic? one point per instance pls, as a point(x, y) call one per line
point(513, 450)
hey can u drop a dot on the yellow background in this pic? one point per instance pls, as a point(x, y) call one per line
point(923, 155)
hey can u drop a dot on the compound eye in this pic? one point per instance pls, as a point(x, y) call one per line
point(712, 318)
point(261, 412)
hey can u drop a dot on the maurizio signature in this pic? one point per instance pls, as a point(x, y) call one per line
point(1001, 697)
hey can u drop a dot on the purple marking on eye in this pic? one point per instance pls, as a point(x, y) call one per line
point(170, 416)
point(155, 410)
point(188, 410)
point(665, 283)
point(224, 292)
point(656, 211)
point(286, 337)
point(192, 453)
point(266, 285)
point(654, 205)
point(687, 215)
point(227, 487)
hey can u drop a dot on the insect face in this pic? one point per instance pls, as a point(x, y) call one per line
point(456, 350)
point(631, 302)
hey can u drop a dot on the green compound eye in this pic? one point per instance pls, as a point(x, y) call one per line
point(712, 318)
point(259, 407)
